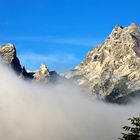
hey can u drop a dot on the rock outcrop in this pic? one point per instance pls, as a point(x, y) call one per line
point(44, 75)
point(41, 74)
point(111, 71)
point(9, 57)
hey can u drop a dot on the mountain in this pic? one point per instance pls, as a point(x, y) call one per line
point(9, 57)
point(111, 71)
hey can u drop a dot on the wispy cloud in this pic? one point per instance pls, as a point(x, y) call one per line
point(57, 40)
point(62, 62)
point(63, 58)
point(59, 60)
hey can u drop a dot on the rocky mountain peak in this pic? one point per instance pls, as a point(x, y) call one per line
point(112, 69)
point(42, 73)
point(133, 26)
point(9, 57)
point(8, 52)
point(44, 69)
point(117, 28)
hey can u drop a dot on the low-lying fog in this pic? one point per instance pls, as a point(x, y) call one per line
point(61, 112)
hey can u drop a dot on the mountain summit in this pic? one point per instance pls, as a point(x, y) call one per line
point(9, 57)
point(111, 71)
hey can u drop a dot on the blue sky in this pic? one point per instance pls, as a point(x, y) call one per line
point(59, 33)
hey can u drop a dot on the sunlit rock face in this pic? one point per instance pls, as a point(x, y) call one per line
point(8, 56)
point(111, 70)
point(42, 73)
point(45, 75)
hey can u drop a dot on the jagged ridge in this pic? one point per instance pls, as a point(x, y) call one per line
point(9, 57)
point(111, 71)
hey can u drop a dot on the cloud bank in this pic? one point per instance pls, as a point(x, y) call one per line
point(30, 111)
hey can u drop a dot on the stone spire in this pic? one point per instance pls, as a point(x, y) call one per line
point(42, 73)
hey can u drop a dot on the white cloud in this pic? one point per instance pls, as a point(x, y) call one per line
point(56, 112)
point(79, 42)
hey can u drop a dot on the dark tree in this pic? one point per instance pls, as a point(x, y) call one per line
point(132, 132)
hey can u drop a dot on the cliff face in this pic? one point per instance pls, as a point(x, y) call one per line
point(8, 56)
point(111, 71)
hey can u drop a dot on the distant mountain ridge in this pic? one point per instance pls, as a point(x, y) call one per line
point(9, 57)
point(110, 71)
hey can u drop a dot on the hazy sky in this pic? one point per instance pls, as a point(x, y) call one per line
point(60, 32)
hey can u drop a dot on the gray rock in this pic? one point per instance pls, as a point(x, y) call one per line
point(112, 70)
point(44, 75)
point(8, 56)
